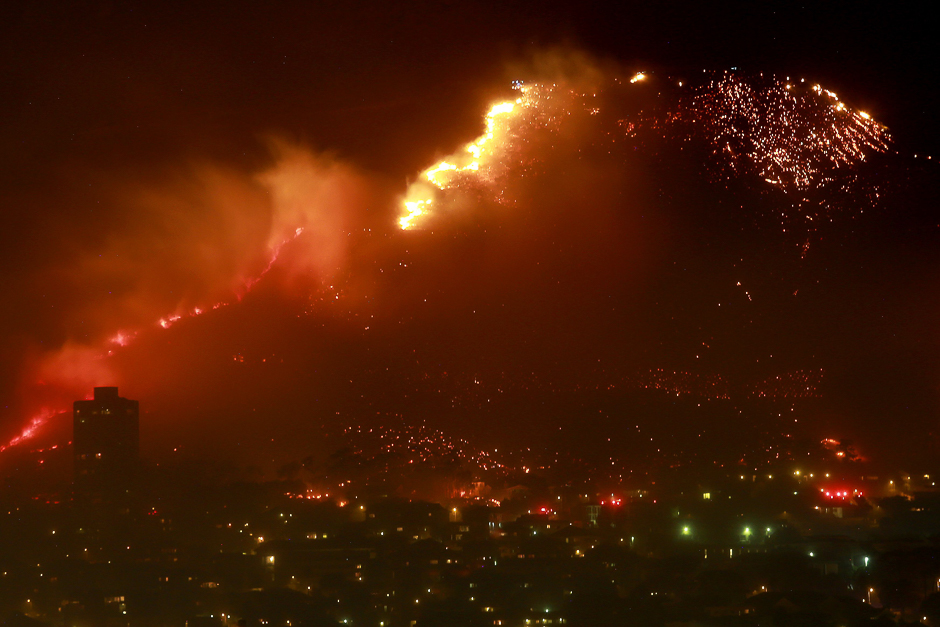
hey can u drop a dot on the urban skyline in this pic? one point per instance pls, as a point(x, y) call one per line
point(637, 289)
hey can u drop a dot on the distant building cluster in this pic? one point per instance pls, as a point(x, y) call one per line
point(787, 545)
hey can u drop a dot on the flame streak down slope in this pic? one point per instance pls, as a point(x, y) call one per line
point(37, 421)
point(122, 339)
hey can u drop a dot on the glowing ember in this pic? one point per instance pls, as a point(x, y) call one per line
point(168, 321)
point(31, 428)
point(123, 338)
point(790, 137)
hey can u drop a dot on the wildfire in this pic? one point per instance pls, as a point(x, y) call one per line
point(793, 138)
point(797, 138)
point(122, 339)
point(31, 428)
point(415, 209)
point(476, 150)
point(475, 157)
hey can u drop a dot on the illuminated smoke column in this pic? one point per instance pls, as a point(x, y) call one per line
point(82, 368)
point(304, 202)
point(793, 137)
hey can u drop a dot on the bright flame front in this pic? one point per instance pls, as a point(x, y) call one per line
point(474, 158)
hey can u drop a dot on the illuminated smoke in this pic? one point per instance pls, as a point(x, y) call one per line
point(226, 232)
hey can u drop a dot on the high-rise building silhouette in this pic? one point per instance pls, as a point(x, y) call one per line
point(105, 446)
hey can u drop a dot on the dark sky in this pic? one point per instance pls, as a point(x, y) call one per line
point(152, 155)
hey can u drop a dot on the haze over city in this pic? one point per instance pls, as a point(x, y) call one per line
point(438, 246)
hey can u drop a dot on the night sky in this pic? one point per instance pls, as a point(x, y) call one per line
point(157, 157)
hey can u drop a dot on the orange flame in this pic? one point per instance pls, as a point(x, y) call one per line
point(472, 158)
